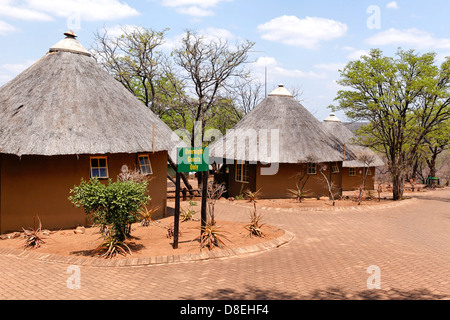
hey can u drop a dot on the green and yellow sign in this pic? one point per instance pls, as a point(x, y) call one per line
point(193, 159)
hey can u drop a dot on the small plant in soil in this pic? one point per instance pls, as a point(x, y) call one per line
point(110, 247)
point(146, 216)
point(33, 237)
point(171, 231)
point(188, 214)
point(255, 225)
point(212, 236)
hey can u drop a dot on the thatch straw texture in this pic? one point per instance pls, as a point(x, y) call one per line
point(340, 131)
point(67, 104)
point(301, 137)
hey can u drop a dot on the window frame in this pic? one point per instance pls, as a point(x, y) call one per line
point(350, 170)
point(369, 171)
point(99, 167)
point(334, 168)
point(146, 155)
point(243, 170)
point(311, 168)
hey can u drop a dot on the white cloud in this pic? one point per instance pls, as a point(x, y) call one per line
point(392, 5)
point(209, 34)
point(9, 71)
point(89, 10)
point(6, 28)
point(277, 73)
point(195, 11)
point(17, 68)
point(118, 30)
point(11, 9)
point(330, 66)
point(215, 33)
point(185, 3)
point(442, 57)
point(411, 37)
point(306, 33)
point(357, 54)
point(194, 8)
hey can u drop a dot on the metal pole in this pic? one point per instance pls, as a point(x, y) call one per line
point(176, 225)
point(204, 196)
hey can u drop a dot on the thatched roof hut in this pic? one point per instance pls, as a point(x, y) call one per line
point(66, 104)
point(334, 126)
point(301, 136)
point(65, 119)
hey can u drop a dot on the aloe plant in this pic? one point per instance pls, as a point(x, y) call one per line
point(110, 247)
point(212, 236)
point(33, 237)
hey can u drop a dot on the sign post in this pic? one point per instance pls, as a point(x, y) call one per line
point(191, 160)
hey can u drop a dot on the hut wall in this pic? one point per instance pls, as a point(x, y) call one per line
point(351, 183)
point(236, 188)
point(38, 185)
point(276, 186)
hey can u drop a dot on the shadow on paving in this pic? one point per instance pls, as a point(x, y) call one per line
point(392, 294)
point(249, 293)
point(432, 198)
point(252, 293)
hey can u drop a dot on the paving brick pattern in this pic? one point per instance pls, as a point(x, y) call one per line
point(328, 258)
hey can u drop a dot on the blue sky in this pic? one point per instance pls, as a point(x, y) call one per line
point(302, 43)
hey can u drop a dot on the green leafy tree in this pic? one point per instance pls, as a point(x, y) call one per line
point(116, 204)
point(134, 58)
point(436, 142)
point(403, 98)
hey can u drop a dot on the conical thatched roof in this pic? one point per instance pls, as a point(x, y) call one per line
point(66, 104)
point(301, 136)
point(334, 126)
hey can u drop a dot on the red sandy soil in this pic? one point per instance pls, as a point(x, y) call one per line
point(145, 241)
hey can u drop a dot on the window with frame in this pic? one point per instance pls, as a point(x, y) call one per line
point(369, 171)
point(312, 168)
point(242, 172)
point(99, 167)
point(352, 172)
point(145, 166)
point(334, 167)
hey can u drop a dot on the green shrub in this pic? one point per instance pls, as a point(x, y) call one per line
point(115, 205)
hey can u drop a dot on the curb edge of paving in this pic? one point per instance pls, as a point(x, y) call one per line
point(152, 260)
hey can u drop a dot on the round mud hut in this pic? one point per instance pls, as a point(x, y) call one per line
point(64, 119)
point(279, 147)
point(365, 158)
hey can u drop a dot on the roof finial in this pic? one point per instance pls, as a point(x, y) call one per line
point(281, 91)
point(332, 118)
point(70, 34)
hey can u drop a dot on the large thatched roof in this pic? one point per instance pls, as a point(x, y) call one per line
point(334, 126)
point(301, 136)
point(66, 104)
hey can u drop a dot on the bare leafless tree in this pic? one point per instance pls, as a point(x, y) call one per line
point(321, 168)
point(247, 93)
point(367, 160)
point(208, 66)
point(215, 192)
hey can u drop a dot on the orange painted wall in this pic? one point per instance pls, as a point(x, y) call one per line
point(276, 186)
point(38, 185)
point(351, 183)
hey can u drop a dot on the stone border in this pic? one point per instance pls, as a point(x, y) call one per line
point(145, 261)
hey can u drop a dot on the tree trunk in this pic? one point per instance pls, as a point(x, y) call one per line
point(397, 186)
point(432, 164)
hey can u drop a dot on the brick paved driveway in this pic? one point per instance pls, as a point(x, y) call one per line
point(327, 259)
